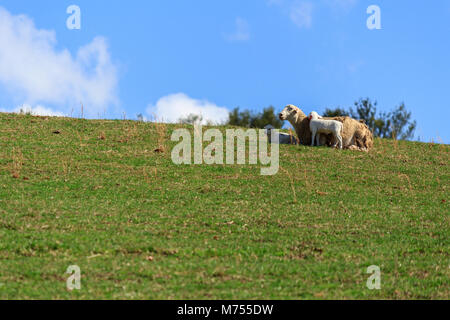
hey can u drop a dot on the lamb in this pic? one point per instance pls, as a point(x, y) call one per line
point(355, 135)
point(283, 138)
point(318, 125)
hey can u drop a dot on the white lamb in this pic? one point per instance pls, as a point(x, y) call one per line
point(319, 125)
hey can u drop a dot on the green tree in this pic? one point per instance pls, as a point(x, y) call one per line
point(254, 120)
point(396, 124)
point(239, 118)
point(338, 112)
point(267, 116)
point(401, 125)
point(366, 110)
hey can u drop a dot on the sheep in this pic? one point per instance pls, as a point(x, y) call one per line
point(283, 138)
point(364, 137)
point(318, 125)
point(319, 134)
point(355, 135)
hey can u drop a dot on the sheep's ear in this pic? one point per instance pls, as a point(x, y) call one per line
point(295, 111)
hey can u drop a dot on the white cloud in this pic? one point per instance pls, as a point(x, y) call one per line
point(38, 110)
point(33, 71)
point(242, 32)
point(177, 106)
point(301, 14)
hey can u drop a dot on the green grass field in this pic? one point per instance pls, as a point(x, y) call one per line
point(96, 195)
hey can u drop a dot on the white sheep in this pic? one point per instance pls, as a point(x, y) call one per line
point(283, 138)
point(319, 125)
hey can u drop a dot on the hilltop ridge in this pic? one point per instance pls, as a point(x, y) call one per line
point(105, 195)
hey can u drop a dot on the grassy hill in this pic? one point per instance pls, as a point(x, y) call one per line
point(96, 195)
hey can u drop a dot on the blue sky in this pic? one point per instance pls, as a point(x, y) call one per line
point(163, 58)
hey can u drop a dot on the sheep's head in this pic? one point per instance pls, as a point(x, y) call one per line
point(289, 113)
point(314, 116)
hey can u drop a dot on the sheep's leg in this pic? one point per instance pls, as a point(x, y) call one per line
point(318, 140)
point(340, 141)
point(313, 138)
point(349, 141)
